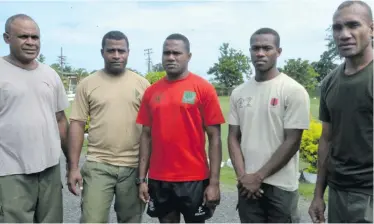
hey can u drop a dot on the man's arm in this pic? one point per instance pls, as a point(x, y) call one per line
point(144, 151)
point(283, 154)
point(235, 152)
point(323, 148)
point(76, 137)
point(215, 152)
point(63, 127)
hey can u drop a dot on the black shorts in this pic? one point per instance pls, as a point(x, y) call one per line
point(182, 197)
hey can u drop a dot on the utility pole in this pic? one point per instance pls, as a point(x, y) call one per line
point(148, 59)
point(62, 60)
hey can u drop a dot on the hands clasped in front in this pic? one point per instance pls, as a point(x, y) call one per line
point(249, 186)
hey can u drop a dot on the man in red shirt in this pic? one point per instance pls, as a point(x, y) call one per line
point(175, 113)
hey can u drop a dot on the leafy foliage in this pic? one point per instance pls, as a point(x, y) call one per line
point(87, 126)
point(153, 77)
point(158, 68)
point(231, 66)
point(309, 145)
point(302, 72)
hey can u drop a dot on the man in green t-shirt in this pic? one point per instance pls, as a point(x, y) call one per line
point(345, 154)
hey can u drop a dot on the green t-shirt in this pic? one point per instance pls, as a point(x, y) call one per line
point(347, 104)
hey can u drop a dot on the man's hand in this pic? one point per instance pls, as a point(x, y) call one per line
point(74, 177)
point(249, 185)
point(143, 192)
point(317, 210)
point(212, 196)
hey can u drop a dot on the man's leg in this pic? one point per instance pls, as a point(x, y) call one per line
point(49, 207)
point(337, 206)
point(128, 206)
point(360, 208)
point(18, 197)
point(251, 210)
point(99, 181)
point(190, 196)
point(349, 207)
point(281, 205)
point(162, 203)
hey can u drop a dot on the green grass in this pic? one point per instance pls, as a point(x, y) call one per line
point(227, 174)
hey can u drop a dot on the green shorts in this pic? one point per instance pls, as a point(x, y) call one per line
point(351, 207)
point(32, 197)
point(101, 182)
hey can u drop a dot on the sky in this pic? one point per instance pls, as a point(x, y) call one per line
point(78, 27)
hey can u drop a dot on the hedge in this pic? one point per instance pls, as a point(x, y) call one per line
point(309, 145)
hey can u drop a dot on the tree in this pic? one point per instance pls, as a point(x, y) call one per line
point(326, 62)
point(302, 72)
point(230, 67)
point(153, 77)
point(158, 68)
point(41, 58)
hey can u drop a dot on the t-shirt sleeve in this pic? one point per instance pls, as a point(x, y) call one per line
point(144, 115)
point(211, 108)
point(297, 111)
point(233, 112)
point(62, 101)
point(324, 114)
point(80, 106)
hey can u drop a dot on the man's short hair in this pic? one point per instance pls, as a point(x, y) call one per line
point(363, 4)
point(114, 35)
point(11, 19)
point(178, 36)
point(268, 31)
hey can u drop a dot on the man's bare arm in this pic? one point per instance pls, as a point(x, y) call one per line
point(144, 151)
point(323, 148)
point(76, 137)
point(63, 127)
point(283, 154)
point(236, 155)
point(215, 152)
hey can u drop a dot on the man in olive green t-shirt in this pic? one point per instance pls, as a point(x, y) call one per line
point(345, 154)
point(111, 98)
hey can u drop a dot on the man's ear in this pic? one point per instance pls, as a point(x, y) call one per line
point(6, 37)
point(279, 50)
point(102, 53)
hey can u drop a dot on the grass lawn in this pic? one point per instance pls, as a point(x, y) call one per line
point(227, 174)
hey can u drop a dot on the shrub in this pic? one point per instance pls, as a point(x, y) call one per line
point(87, 125)
point(153, 77)
point(309, 145)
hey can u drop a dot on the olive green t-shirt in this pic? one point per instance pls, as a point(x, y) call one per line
point(112, 102)
point(347, 104)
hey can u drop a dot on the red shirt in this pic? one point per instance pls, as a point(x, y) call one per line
point(177, 112)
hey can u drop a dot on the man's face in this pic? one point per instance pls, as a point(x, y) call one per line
point(115, 54)
point(175, 57)
point(23, 39)
point(264, 52)
point(352, 30)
